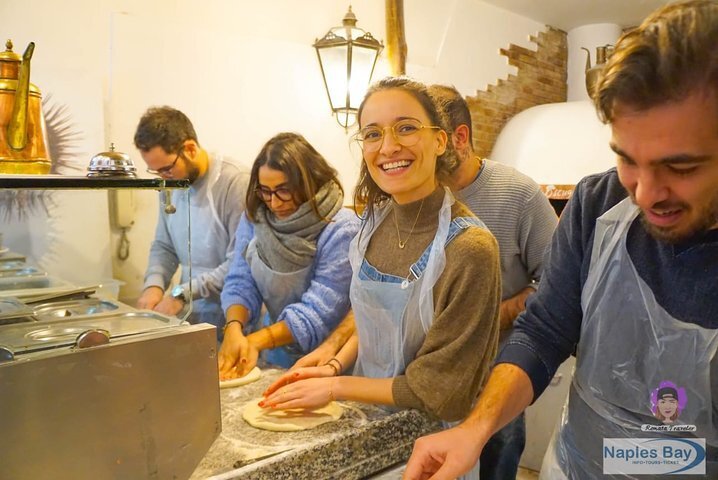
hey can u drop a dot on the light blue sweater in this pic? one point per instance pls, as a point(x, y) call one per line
point(324, 304)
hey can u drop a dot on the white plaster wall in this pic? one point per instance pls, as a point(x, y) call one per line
point(242, 70)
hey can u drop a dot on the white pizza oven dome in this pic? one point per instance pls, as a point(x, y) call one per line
point(556, 144)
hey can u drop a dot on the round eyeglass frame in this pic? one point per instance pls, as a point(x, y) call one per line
point(405, 140)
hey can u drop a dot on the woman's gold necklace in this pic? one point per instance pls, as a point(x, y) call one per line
point(396, 223)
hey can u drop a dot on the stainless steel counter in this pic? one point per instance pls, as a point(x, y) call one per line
point(366, 440)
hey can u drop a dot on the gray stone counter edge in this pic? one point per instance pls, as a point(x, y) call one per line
point(362, 451)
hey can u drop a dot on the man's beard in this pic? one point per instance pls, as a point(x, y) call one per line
point(192, 172)
point(706, 220)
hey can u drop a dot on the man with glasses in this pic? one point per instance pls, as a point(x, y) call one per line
point(168, 144)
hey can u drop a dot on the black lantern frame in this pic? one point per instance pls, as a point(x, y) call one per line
point(347, 57)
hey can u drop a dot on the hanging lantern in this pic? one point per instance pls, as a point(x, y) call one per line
point(347, 56)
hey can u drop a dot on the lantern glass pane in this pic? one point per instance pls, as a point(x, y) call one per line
point(362, 65)
point(334, 62)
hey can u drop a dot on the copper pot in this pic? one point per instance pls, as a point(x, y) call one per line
point(23, 144)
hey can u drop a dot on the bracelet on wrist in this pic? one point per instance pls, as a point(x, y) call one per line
point(336, 371)
point(241, 325)
point(339, 364)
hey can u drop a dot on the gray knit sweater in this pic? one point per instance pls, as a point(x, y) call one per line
point(519, 215)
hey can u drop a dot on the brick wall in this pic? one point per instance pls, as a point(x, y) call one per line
point(541, 78)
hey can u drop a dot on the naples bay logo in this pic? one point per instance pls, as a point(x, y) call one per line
point(658, 456)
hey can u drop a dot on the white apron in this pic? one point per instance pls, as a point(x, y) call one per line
point(208, 243)
point(278, 290)
point(393, 315)
point(629, 345)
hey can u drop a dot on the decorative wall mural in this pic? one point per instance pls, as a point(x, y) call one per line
point(63, 138)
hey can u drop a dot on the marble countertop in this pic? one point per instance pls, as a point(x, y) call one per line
point(365, 440)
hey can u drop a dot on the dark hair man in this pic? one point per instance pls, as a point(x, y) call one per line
point(631, 278)
point(168, 144)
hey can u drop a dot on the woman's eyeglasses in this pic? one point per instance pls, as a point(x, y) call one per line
point(166, 170)
point(405, 132)
point(282, 193)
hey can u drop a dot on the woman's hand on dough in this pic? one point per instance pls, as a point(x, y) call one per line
point(235, 358)
point(319, 356)
point(308, 393)
point(248, 358)
point(299, 374)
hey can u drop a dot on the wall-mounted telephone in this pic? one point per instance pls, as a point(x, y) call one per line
point(122, 216)
point(122, 208)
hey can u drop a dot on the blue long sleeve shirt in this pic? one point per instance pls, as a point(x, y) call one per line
point(324, 304)
point(226, 192)
point(682, 277)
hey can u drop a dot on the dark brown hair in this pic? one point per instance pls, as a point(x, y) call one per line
point(671, 55)
point(306, 169)
point(164, 127)
point(454, 106)
point(367, 192)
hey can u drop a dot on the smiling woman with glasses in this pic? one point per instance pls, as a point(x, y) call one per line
point(425, 289)
point(291, 256)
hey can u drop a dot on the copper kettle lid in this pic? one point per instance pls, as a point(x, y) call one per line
point(9, 70)
point(8, 55)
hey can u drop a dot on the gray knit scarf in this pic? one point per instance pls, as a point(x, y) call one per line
point(290, 244)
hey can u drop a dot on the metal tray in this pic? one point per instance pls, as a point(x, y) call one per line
point(25, 271)
point(12, 257)
point(23, 287)
point(24, 282)
point(42, 335)
point(13, 311)
point(12, 265)
point(77, 308)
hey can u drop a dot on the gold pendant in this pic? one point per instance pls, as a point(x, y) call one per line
point(401, 244)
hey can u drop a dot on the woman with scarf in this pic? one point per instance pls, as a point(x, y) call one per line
point(426, 283)
point(291, 256)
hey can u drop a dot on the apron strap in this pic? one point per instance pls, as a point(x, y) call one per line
point(456, 227)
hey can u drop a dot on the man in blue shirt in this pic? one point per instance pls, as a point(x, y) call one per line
point(168, 144)
point(629, 284)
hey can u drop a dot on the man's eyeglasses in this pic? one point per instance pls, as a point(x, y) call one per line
point(282, 193)
point(405, 132)
point(165, 170)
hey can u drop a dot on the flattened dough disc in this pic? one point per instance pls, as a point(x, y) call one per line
point(291, 420)
point(253, 375)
